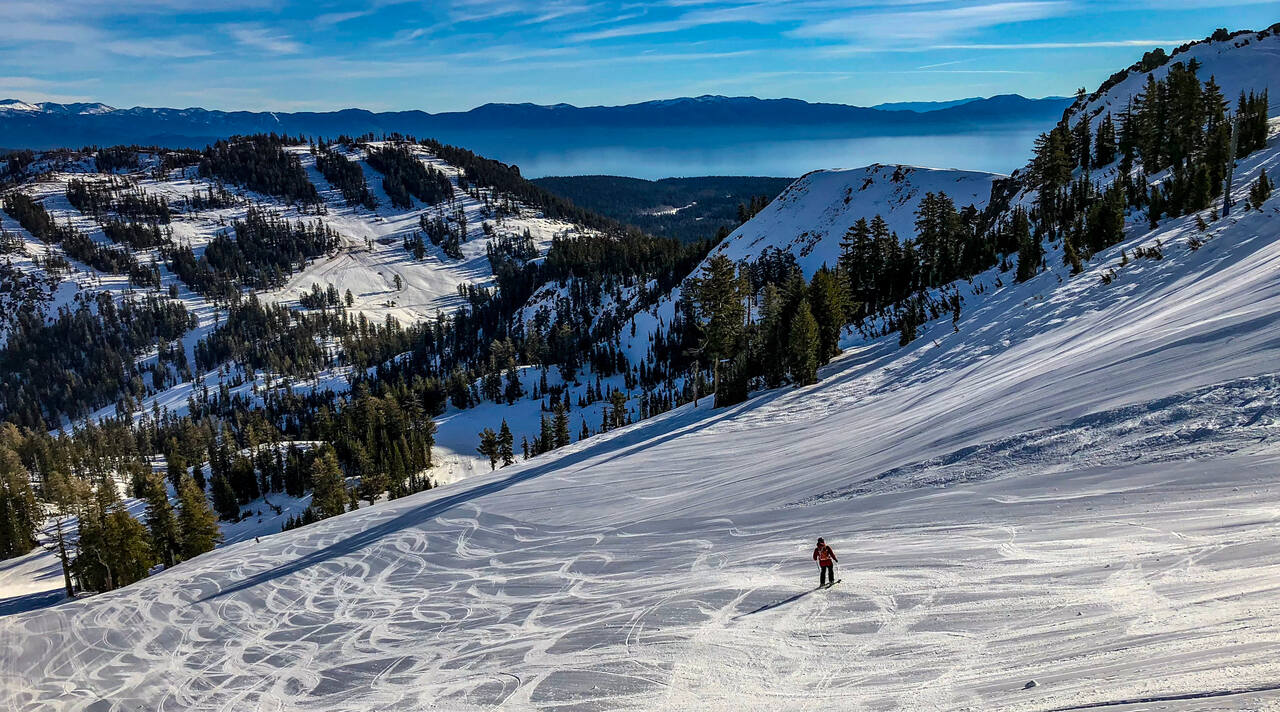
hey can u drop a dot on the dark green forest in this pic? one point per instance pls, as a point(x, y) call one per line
point(708, 206)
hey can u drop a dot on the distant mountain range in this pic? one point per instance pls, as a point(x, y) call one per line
point(51, 125)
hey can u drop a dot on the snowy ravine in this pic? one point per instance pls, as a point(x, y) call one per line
point(1076, 487)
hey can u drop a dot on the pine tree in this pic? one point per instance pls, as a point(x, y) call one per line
point(1105, 142)
point(1052, 166)
point(114, 548)
point(489, 447)
point(329, 490)
point(909, 320)
point(1083, 136)
point(1260, 191)
point(506, 444)
point(166, 540)
point(775, 327)
point(196, 521)
point(176, 466)
point(803, 346)
point(1105, 221)
point(546, 436)
point(1070, 256)
point(1030, 251)
point(829, 303)
point(373, 477)
point(19, 511)
point(514, 390)
point(618, 413)
point(720, 308)
point(224, 499)
point(561, 426)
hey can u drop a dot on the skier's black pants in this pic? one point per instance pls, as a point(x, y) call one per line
point(826, 572)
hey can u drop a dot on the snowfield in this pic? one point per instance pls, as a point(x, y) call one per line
point(810, 218)
point(1077, 488)
point(374, 255)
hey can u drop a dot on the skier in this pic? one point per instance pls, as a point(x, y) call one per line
point(826, 559)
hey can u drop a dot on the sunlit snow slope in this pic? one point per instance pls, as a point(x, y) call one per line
point(1077, 488)
point(809, 220)
point(811, 216)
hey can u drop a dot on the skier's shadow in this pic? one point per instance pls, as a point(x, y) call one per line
point(775, 604)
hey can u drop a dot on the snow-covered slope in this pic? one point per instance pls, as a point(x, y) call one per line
point(374, 255)
point(1246, 62)
point(811, 216)
point(1076, 488)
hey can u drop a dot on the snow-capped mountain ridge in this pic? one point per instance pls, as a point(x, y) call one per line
point(47, 125)
point(50, 107)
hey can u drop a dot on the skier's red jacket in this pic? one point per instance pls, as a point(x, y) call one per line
point(824, 555)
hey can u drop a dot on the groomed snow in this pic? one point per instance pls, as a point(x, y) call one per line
point(1075, 488)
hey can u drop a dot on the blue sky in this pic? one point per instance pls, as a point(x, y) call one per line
point(441, 55)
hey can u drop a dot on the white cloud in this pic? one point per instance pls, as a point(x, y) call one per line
point(173, 48)
point(931, 24)
point(1065, 45)
point(261, 38)
point(329, 19)
point(406, 36)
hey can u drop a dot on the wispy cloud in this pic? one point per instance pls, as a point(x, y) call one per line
point(407, 35)
point(757, 13)
point(944, 64)
point(168, 47)
point(1064, 45)
point(928, 24)
point(262, 38)
point(329, 19)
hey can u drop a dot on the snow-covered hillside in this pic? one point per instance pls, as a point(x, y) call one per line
point(811, 216)
point(371, 263)
point(1246, 62)
point(1075, 488)
point(809, 220)
point(374, 256)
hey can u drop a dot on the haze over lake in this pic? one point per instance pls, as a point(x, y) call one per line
point(653, 154)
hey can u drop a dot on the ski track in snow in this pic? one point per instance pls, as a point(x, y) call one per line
point(1077, 487)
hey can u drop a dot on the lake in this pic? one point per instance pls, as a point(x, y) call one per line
point(758, 151)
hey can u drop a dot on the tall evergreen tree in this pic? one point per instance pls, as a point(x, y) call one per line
point(114, 548)
point(1105, 142)
point(775, 330)
point(224, 499)
point(720, 308)
point(1260, 191)
point(489, 447)
point(561, 426)
point(329, 489)
point(19, 511)
point(506, 444)
point(166, 539)
point(196, 521)
point(803, 346)
point(1030, 251)
point(829, 304)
